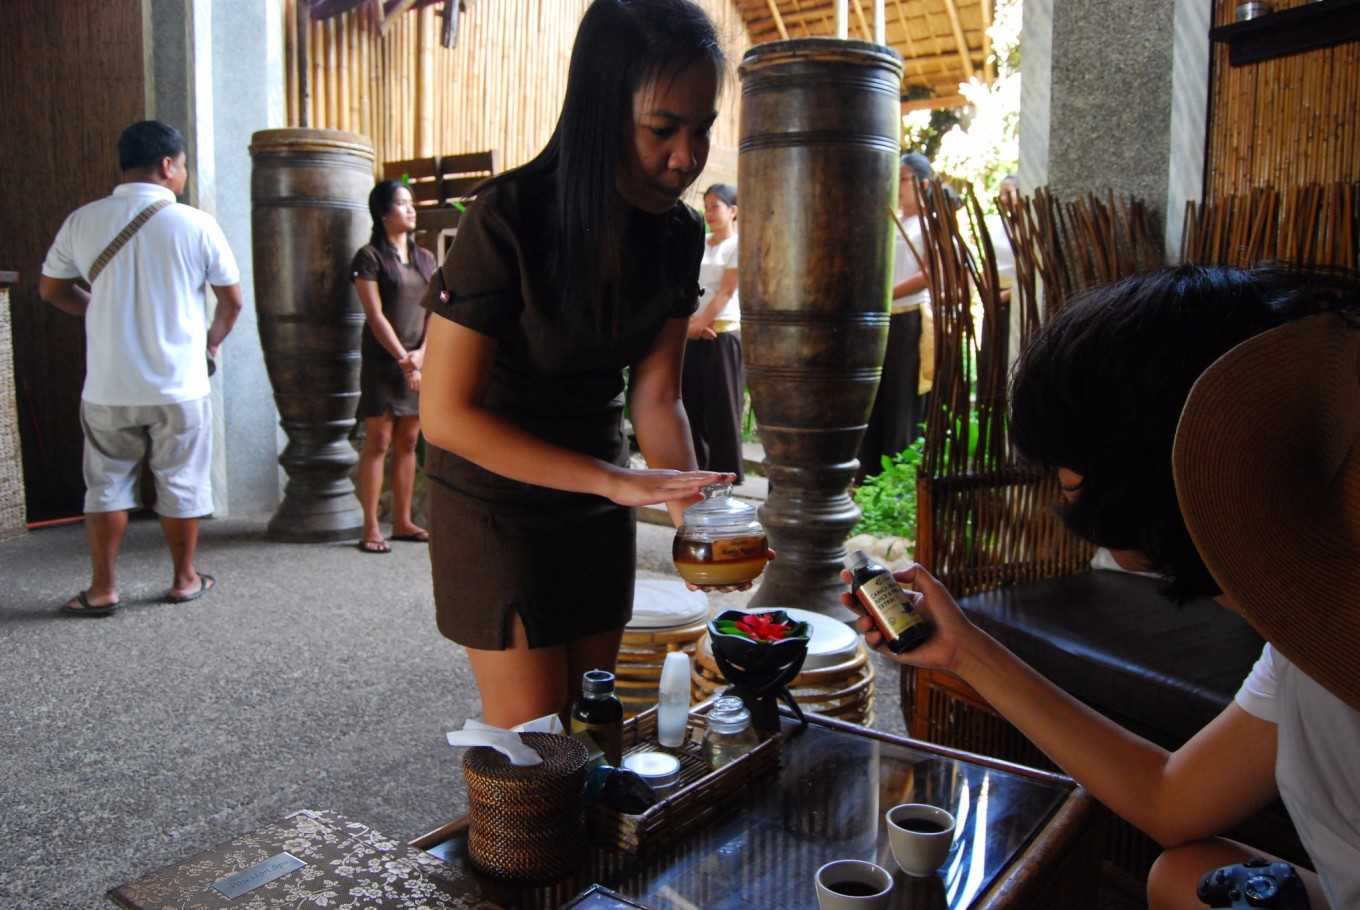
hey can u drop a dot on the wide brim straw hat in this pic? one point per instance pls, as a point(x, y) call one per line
point(1267, 470)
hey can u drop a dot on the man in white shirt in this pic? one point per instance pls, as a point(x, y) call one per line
point(149, 347)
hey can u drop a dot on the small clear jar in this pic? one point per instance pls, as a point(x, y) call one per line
point(720, 542)
point(730, 734)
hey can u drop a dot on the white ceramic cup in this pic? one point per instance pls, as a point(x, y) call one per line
point(873, 879)
point(919, 853)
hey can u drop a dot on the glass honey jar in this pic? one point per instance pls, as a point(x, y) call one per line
point(720, 542)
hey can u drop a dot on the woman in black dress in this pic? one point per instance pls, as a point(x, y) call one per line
point(564, 273)
point(391, 274)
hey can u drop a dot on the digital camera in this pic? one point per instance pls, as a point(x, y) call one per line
point(1255, 883)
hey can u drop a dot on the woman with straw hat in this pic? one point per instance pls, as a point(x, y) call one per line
point(1206, 421)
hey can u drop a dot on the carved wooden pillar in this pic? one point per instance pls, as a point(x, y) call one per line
point(818, 165)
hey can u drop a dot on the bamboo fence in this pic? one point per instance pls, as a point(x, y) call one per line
point(1306, 226)
point(1283, 122)
point(1062, 248)
point(985, 519)
point(499, 88)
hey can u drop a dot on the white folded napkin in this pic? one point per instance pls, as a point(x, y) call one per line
point(506, 742)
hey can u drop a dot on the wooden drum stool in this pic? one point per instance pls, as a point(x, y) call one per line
point(837, 678)
point(667, 616)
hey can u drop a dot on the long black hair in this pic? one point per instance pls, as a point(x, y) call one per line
point(380, 201)
point(1100, 390)
point(620, 46)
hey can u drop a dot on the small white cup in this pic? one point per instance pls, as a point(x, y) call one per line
point(920, 853)
point(872, 883)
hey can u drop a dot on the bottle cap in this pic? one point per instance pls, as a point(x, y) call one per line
point(728, 715)
point(859, 559)
point(597, 682)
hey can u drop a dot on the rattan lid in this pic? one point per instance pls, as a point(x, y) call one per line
point(562, 756)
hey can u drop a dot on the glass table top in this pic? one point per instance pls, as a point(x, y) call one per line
point(828, 803)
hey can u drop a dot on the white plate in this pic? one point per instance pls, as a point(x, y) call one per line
point(664, 603)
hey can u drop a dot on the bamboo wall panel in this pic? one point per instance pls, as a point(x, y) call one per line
point(499, 89)
point(1283, 122)
point(70, 81)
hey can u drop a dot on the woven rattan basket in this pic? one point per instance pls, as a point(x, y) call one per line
point(527, 823)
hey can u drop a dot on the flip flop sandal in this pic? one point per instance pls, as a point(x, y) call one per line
point(205, 584)
point(374, 547)
point(412, 538)
point(88, 609)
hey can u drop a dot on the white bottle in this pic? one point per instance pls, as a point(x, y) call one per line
point(672, 711)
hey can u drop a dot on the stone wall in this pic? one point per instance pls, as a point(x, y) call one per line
point(1114, 98)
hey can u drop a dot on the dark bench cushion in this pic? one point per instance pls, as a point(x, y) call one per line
point(1112, 640)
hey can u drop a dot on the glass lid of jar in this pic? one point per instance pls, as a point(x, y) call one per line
point(718, 511)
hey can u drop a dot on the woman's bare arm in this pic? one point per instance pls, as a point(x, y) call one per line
point(454, 379)
point(1224, 774)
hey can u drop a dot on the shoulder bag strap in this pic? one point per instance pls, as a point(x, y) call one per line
point(124, 236)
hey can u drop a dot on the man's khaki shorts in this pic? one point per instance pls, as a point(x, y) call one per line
point(174, 439)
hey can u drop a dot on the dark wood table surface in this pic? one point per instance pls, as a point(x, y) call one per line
point(1025, 838)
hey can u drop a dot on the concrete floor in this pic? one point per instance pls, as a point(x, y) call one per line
point(313, 677)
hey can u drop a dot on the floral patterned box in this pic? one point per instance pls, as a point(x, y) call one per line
point(310, 859)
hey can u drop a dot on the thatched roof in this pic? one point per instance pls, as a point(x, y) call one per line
point(942, 41)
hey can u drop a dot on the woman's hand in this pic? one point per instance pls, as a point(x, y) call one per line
point(952, 628)
point(646, 487)
point(413, 380)
point(417, 358)
point(700, 330)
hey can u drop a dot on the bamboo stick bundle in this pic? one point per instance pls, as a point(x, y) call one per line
point(328, 71)
point(399, 89)
point(425, 83)
point(316, 48)
point(340, 71)
point(365, 79)
point(290, 63)
point(353, 87)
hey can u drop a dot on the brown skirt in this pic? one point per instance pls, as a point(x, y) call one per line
point(564, 579)
point(383, 390)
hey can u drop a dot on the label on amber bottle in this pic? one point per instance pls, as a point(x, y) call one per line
point(888, 605)
point(738, 548)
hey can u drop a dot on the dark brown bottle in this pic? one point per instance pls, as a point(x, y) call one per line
point(599, 714)
point(891, 610)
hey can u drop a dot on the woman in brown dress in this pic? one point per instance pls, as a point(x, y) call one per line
point(564, 273)
point(391, 274)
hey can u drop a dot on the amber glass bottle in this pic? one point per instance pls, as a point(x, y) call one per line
point(887, 604)
point(599, 714)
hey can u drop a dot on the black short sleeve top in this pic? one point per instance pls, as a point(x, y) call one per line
point(401, 288)
point(558, 366)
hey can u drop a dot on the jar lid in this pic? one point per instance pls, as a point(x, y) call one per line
point(719, 511)
point(728, 715)
point(659, 769)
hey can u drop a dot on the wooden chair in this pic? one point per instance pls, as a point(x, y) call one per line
point(437, 184)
